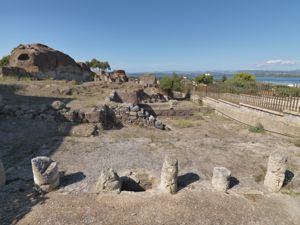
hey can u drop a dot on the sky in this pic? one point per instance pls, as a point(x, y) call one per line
point(160, 35)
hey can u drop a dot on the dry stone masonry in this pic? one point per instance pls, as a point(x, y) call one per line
point(45, 173)
point(221, 178)
point(108, 181)
point(169, 175)
point(2, 174)
point(276, 171)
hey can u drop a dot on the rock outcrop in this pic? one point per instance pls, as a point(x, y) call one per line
point(39, 61)
point(117, 76)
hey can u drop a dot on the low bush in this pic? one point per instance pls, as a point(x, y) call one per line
point(258, 128)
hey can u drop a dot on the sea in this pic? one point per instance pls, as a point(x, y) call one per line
point(281, 80)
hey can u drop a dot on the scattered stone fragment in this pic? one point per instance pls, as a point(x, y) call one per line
point(92, 117)
point(221, 179)
point(2, 174)
point(45, 173)
point(276, 171)
point(108, 181)
point(135, 108)
point(83, 130)
point(151, 119)
point(57, 105)
point(159, 125)
point(169, 174)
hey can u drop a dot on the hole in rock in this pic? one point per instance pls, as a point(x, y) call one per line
point(136, 182)
point(23, 57)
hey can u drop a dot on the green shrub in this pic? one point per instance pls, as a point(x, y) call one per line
point(242, 76)
point(258, 128)
point(169, 84)
point(4, 61)
point(205, 79)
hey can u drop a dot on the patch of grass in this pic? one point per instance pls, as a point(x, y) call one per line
point(14, 79)
point(258, 128)
point(184, 123)
point(297, 142)
point(290, 192)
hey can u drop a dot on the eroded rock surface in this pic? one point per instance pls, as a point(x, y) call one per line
point(42, 62)
point(276, 171)
point(108, 181)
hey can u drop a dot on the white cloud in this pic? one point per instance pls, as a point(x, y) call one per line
point(279, 62)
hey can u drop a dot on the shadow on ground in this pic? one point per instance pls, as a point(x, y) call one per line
point(71, 178)
point(21, 140)
point(187, 179)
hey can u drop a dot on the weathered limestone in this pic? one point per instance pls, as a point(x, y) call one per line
point(42, 62)
point(169, 175)
point(108, 181)
point(56, 105)
point(220, 180)
point(2, 174)
point(45, 173)
point(83, 130)
point(276, 171)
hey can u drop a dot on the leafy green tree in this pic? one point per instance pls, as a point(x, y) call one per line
point(244, 77)
point(205, 79)
point(96, 64)
point(4, 61)
point(166, 84)
point(169, 84)
point(176, 86)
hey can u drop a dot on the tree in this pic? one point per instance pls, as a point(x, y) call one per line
point(169, 84)
point(166, 84)
point(244, 77)
point(205, 78)
point(4, 61)
point(96, 64)
point(224, 78)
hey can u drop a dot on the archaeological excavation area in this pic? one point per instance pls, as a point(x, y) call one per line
point(101, 156)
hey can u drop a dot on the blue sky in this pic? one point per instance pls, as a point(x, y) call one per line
point(160, 35)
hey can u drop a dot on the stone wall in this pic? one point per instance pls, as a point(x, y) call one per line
point(287, 123)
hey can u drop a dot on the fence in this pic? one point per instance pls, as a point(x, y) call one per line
point(261, 96)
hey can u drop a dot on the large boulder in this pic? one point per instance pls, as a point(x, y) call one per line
point(42, 62)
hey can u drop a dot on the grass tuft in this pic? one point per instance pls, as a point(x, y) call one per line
point(258, 128)
point(297, 142)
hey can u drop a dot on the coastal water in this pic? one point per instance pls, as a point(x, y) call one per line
point(284, 80)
